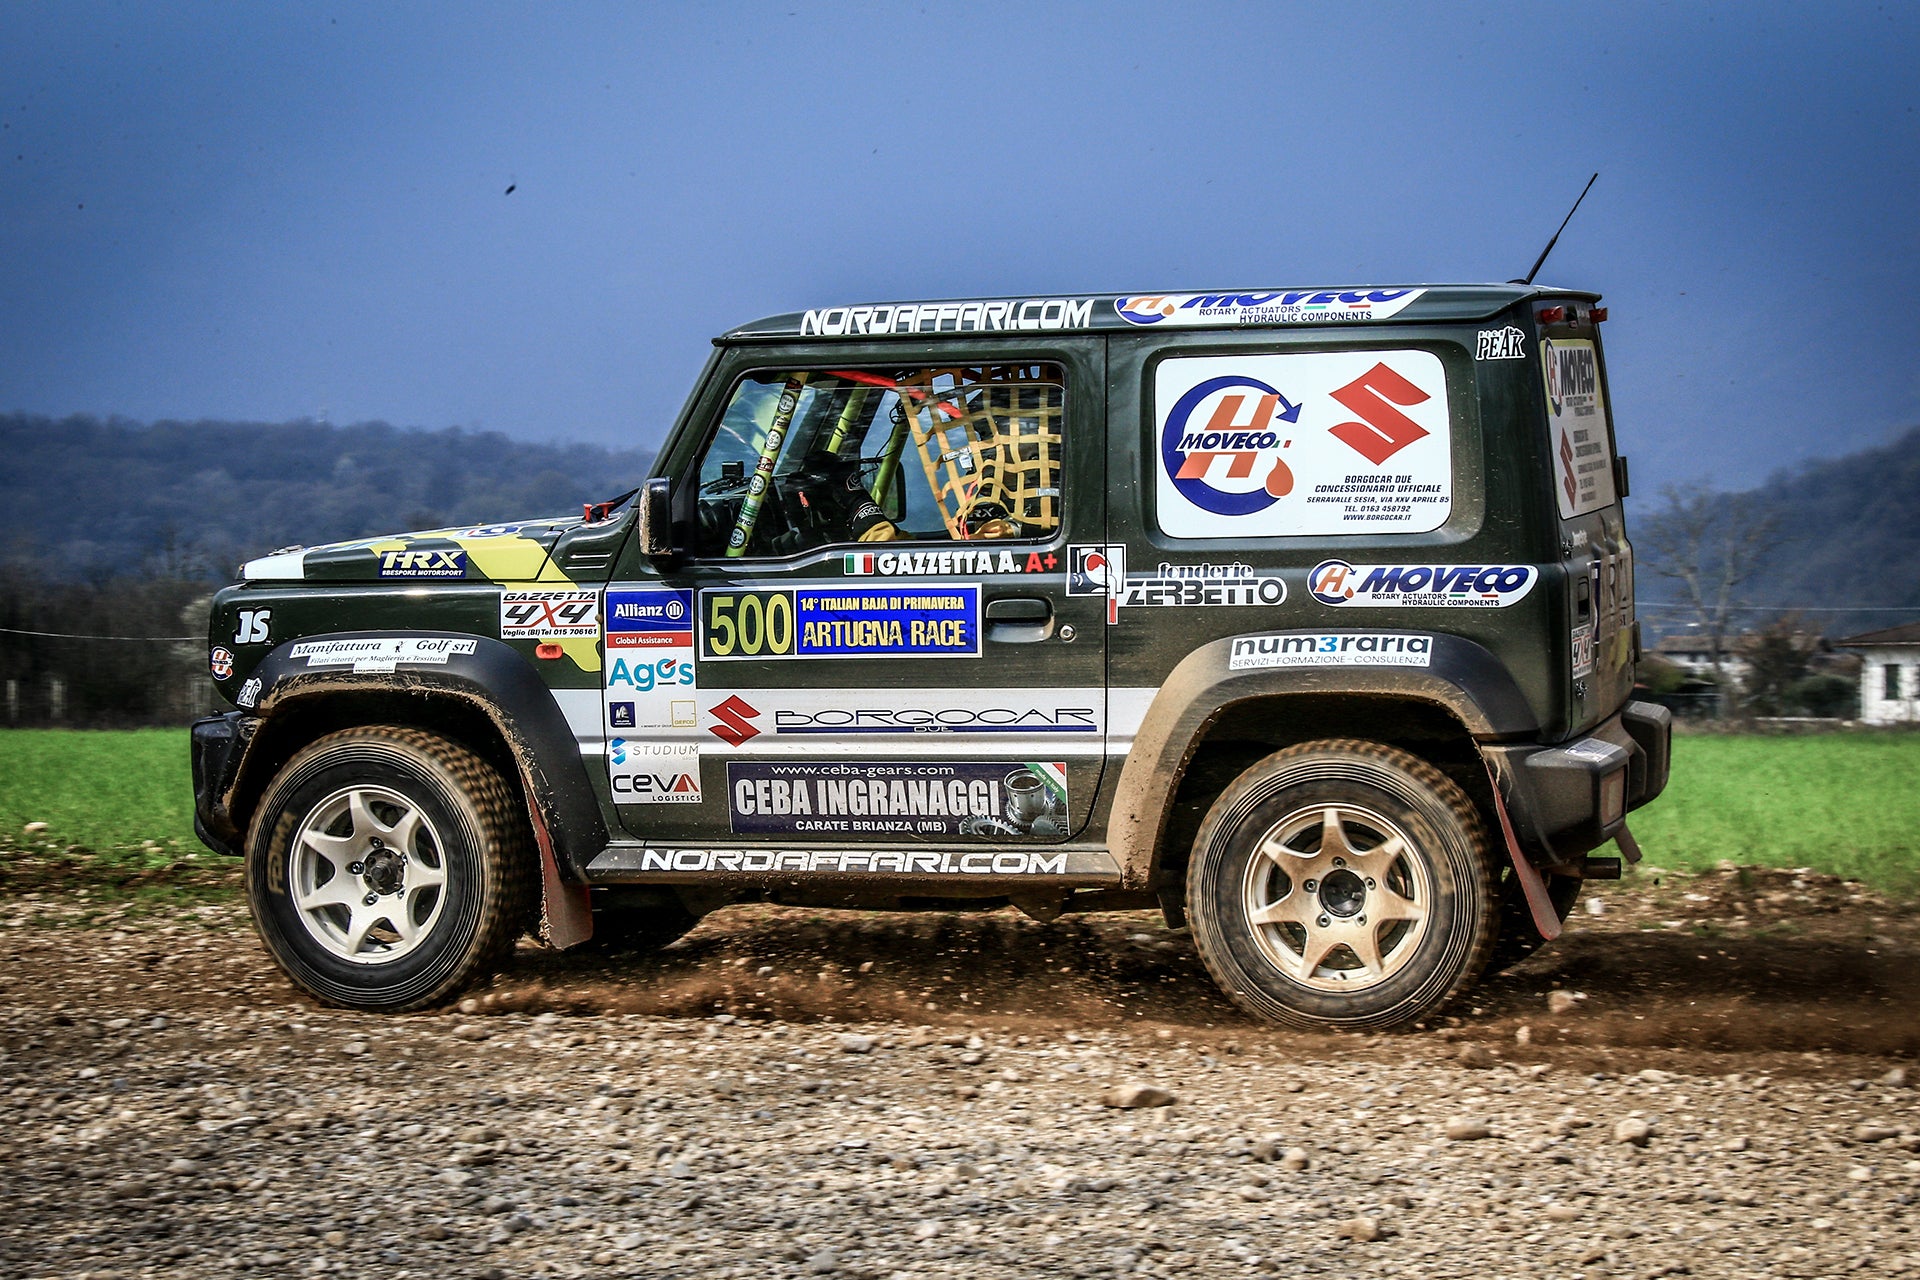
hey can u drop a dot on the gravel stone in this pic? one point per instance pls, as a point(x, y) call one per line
point(1134, 1095)
point(852, 1043)
point(1561, 1002)
point(1362, 1230)
point(1632, 1130)
point(1465, 1130)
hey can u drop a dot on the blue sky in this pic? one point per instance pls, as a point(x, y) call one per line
point(268, 212)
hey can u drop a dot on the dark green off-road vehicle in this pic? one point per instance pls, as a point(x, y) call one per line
point(1305, 616)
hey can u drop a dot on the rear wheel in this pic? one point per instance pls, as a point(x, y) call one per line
point(1342, 884)
point(387, 868)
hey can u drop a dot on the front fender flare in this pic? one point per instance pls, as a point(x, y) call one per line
point(493, 678)
point(1459, 676)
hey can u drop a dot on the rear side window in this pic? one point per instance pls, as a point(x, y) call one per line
point(1307, 443)
point(1577, 426)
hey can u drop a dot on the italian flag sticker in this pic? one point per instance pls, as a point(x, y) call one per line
point(860, 563)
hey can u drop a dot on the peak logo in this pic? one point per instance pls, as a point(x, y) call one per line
point(1283, 306)
point(736, 717)
point(1230, 466)
point(1387, 586)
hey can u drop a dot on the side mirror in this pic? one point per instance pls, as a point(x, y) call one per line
point(656, 518)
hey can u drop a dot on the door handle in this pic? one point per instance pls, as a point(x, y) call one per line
point(1019, 619)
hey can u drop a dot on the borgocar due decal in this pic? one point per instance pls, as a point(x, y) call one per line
point(1577, 425)
point(1385, 586)
point(220, 662)
point(449, 563)
point(1306, 649)
point(549, 615)
point(940, 621)
point(382, 655)
point(1284, 306)
point(999, 800)
point(1306, 444)
point(653, 773)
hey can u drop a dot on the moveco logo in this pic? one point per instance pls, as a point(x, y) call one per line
point(1232, 465)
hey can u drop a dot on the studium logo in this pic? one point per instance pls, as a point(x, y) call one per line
point(736, 717)
point(1231, 466)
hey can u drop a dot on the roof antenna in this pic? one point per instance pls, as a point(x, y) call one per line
point(1541, 261)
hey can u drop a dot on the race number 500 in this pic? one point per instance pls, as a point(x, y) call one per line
point(748, 624)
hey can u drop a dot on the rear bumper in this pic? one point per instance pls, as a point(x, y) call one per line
point(1569, 799)
point(218, 745)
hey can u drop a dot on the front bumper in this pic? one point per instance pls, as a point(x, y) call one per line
point(1569, 799)
point(218, 745)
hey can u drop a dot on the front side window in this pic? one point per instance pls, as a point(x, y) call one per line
point(802, 459)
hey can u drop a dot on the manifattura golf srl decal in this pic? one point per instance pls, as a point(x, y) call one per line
point(997, 800)
point(382, 655)
point(1386, 586)
point(1351, 649)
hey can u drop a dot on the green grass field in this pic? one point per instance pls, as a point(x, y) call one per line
point(1846, 804)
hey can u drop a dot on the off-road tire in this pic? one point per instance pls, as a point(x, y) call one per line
point(477, 843)
point(1441, 870)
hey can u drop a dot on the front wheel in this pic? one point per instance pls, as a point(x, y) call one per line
point(1342, 884)
point(387, 868)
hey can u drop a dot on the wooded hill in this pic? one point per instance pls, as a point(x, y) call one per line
point(91, 499)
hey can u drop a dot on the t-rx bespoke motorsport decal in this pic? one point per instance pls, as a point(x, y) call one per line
point(382, 655)
point(1304, 649)
point(1306, 444)
point(841, 622)
point(949, 317)
point(650, 678)
point(981, 562)
point(1577, 421)
point(220, 662)
point(549, 615)
point(448, 563)
point(1283, 306)
point(997, 800)
point(1386, 586)
point(653, 772)
point(1509, 343)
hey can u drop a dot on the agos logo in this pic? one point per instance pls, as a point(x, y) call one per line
point(644, 676)
point(1222, 445)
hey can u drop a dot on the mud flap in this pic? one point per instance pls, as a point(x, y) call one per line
point(1545, 918)
point(566, 910)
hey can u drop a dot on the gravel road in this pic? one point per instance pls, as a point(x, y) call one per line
point(1710, 1079)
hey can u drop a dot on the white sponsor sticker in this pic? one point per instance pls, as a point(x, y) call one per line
point(1277, 306)
point(1577, 426)
point(1501, 344)
point(1304, 649)
point(381, 655)
point(653, 772)
point(549, 615)
point(1388, 586)
point(1304, 444)
point(1583, 650)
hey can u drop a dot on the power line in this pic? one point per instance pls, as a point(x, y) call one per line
point(71, 635)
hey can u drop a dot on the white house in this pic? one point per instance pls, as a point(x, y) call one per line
point(1889, 675)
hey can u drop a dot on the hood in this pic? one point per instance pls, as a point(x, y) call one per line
point(515, 551)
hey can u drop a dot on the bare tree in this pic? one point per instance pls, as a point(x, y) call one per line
point(1710, 544)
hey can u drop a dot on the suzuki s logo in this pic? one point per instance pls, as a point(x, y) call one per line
point(1222, 444)
point(736, 717)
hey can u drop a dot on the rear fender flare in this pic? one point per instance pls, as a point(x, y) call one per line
point(1460, 677)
